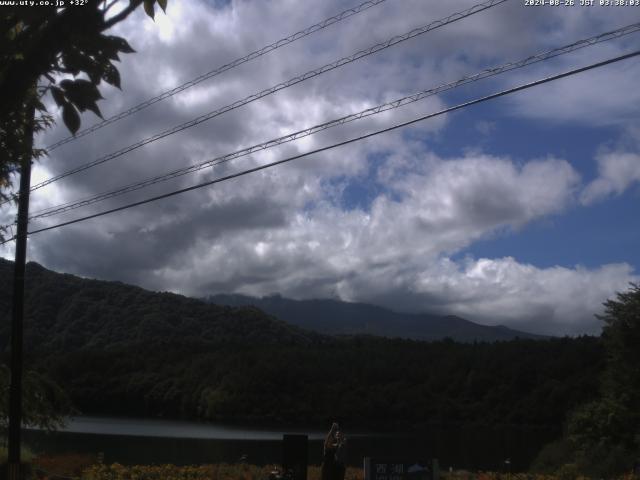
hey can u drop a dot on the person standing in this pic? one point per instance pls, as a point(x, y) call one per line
point(328, 469)
point(341, 455)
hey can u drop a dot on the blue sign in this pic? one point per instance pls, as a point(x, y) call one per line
point(396, 469)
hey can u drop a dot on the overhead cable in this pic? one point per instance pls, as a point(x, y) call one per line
point(293, 81)
point(217, 71)
point(489, 72)
point(346, 142)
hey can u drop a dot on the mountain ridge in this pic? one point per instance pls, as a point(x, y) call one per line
point(335, 317)
point(71, 312)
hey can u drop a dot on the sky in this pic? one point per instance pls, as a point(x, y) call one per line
point(518, 211)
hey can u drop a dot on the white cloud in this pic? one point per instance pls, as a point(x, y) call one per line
point(601, 97)
point(391, 254)
point(617, 171)
point(545, 299)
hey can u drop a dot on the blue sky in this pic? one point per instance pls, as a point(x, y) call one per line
point(519, 211)
point(602, 233)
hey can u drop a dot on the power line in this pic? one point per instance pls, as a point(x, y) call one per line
point(50, 211)
point(217, 71)
point(346, 142)
point(293, 81)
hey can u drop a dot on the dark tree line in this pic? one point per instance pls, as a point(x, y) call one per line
point(603, 434)
point(365, 381)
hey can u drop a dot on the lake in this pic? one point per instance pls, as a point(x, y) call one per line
point(148, 441)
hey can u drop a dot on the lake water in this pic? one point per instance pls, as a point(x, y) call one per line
point(145, 441)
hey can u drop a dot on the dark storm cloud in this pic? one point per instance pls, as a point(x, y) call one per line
point(133, 254)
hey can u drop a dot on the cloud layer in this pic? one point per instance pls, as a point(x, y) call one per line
point(380, 220)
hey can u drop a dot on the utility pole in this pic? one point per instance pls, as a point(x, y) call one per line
point(17, 306)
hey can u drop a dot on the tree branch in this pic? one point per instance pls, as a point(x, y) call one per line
point(122, 15)
point(108, 7)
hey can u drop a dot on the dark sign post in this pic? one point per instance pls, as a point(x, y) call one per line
point(295, 456)
point(390, 469)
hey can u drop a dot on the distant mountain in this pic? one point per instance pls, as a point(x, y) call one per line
point(334, 317)
point(66, 313)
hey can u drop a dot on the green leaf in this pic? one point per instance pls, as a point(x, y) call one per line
point(72, 62)
point(39, 105)
point(77, 61)
point(163, 5)
point(71, 117)
point(11, 34)
point(83, 94)
point(111, 76)
point(80, 90)
point(121, 44)
point(58, 96)
point(94, 74)
point(148, 7)
point(105, 46)
point(94, 108)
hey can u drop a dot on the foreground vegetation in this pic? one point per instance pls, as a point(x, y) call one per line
point(85, 467)
point(250, 472)
point(201, 472)
point(603, 435)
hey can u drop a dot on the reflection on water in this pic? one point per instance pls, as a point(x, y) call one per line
point(139, 441)
point(174, 429)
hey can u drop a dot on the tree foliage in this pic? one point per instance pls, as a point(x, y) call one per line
point(604, 434)
point(64, 51)
point(621, 335)
point(44, 404)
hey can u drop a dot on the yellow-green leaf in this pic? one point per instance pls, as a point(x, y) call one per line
point(148, 7)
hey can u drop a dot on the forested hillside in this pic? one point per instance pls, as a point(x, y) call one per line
point(120, 349)
point(66, 313)
point(362, 381)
